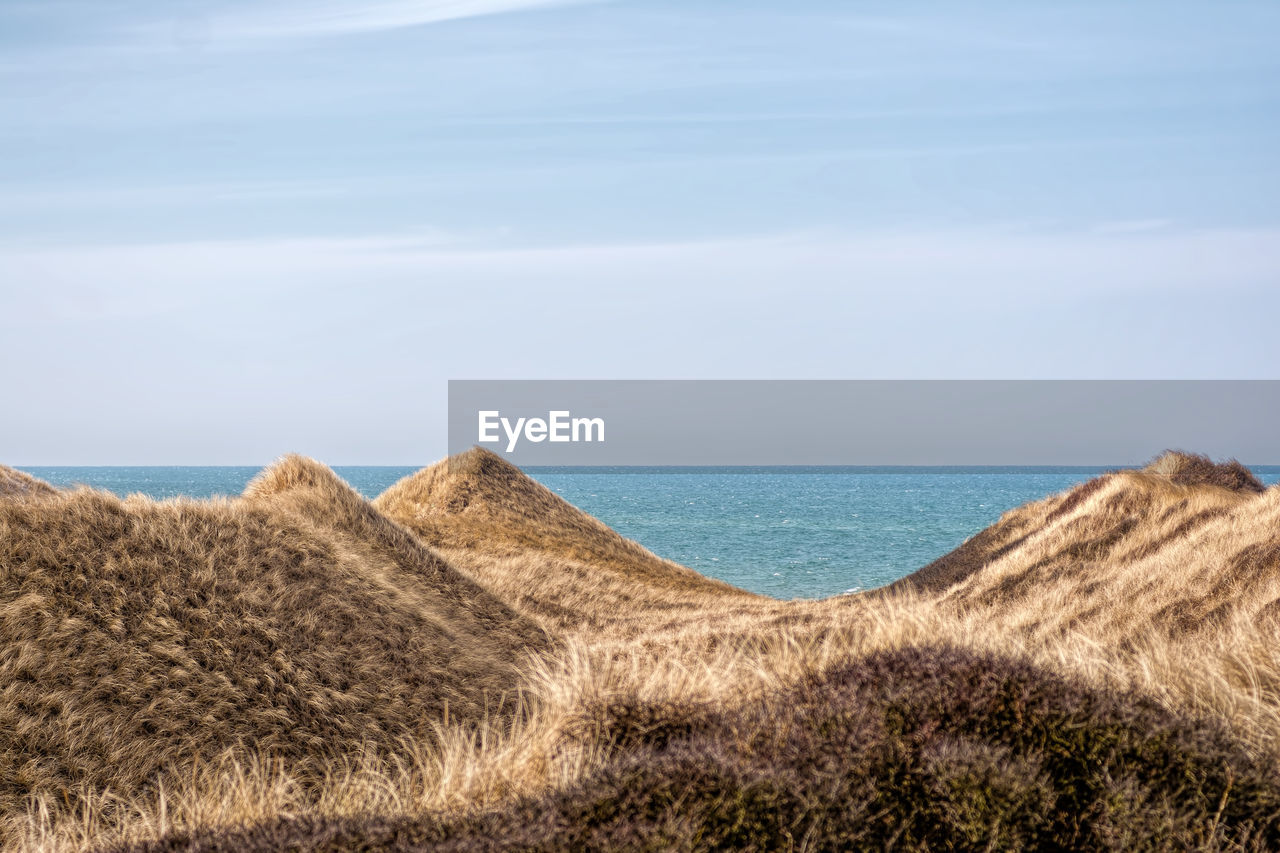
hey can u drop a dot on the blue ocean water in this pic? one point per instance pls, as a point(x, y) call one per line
point(788, 532)
point(200, 481)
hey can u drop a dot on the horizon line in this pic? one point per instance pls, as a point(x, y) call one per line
point(654, 465)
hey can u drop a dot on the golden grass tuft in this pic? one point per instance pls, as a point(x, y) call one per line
point(1194, 469)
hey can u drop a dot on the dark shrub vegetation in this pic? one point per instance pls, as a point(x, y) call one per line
point(921, 749)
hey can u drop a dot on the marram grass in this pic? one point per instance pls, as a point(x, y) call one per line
point(470, 663)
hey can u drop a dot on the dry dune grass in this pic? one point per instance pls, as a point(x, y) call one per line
point(19, 484)
point(1194, 469)
point(551, 560)
point(961, 735)
point(478, 500)
point(982, 752)
point(1180, 546)
point(141, 637)
point(1098, 670)
point(311, 495)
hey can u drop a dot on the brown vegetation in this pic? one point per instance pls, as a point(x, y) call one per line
point(921, 748)
point(1194, 469)
point(546, 556)
point(20, 484)
point(1098, 670)
point(1182, 546)
point(138, 637)
point(311, 495)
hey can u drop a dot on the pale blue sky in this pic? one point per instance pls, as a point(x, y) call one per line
point(234, 229)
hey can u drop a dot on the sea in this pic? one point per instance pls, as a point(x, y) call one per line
point(787, 532)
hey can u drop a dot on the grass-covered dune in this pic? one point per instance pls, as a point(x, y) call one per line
point(548, 558)
point(1183, 545)
point(16, 484)
point(1097, 670)
point(295, 624)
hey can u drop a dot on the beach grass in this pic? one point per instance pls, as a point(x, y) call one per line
point(468, 662)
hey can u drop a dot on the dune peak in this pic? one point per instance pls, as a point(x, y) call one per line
point(20, 484)
point(1196, 469)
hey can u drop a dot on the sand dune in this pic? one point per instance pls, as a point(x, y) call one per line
point(1182, 545)
point(311, 495)
point(140, 636)
point(550, 559)
point(1097, 670)
point(19, 484)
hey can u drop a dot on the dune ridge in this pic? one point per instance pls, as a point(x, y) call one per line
point(19, 484)
point(1171, 468)
point(1097, 670)
point(140, 637)
point(310, 493)
point(556, 563)
point(1180, 545)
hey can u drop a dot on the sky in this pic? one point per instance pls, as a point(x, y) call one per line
point(230, 230)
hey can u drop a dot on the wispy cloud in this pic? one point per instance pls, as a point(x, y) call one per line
point(942, 263)
point(1132, 226)
point(278, 21)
